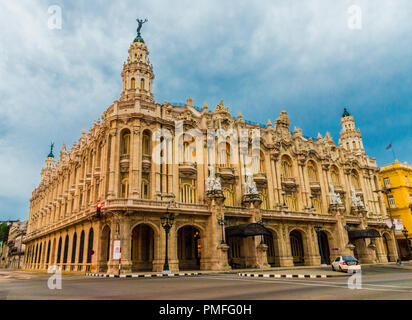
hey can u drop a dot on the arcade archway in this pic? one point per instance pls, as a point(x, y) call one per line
point(142, 248)
point(273, 249)
point(324, 243)
point(105, 247)
point(189, 248)
point(296, 245)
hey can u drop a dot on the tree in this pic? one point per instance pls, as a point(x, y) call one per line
point(4, 232)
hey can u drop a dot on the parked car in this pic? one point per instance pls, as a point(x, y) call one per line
point(346, 264)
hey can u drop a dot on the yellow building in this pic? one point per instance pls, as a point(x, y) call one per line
point(397, 177)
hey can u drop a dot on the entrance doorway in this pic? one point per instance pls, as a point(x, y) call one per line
point(296, 244)
point(236, 252)
point(189, 248)
point(273, 250)
point(325, 246)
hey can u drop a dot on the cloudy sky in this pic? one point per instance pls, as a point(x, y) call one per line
point(258, 56)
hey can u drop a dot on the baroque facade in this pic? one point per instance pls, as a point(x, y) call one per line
point(233, 207)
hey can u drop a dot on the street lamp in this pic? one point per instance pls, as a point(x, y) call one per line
point(222, 222)
point(167, 223)
point(318, 230)
point(386, 191)
point(405, 233)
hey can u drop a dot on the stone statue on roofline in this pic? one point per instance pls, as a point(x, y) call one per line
point(213, 183)
point(356, 201)
point(334, 197)
point(250, 186)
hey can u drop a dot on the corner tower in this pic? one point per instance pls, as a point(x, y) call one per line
point(137, 74)
point(350, 136)
point(48, 164)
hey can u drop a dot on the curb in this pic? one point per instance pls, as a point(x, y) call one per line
point(157, 275)
point(271, 275)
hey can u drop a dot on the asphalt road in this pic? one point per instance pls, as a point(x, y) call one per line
point(378, 282)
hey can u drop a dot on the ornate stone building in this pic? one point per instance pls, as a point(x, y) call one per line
point(234, 206)
point(12, 252)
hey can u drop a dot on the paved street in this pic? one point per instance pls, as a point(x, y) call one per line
point(378, 282)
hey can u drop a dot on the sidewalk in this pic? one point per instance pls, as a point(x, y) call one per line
point(299, 270)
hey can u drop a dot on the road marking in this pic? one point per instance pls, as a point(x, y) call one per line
point(307, 283)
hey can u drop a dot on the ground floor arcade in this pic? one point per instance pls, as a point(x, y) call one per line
point(199, 243)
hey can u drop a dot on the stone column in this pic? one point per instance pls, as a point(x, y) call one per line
point(135, 155)
point(382, 258)
point(312, 258)
point(217, 256)
point(112, 183)
point(173, 258)
point(302, 190)
point(342, 238)
point(348, 189)
point(306, 186)
point(270, 181)
point(285, 258)
point(115, 227)
point(126, 239)
point(324, 187)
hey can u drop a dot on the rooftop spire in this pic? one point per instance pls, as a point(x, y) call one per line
point(51, 155)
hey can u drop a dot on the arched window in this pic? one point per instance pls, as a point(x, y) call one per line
point(146, 142)
point(312, 172)
point(335, 176)
point(39, 258)
point(142, 84)
point(90, 246)
point(187, 190)
point(81, 247)
point(125, 143)
point(355, 180)
point(317, 203)
point(347, 146)
point(133, 84)
point(227, 154)
point(59, 250)
point(262, 162)
point(90, 164)
point(354, 145)
point(74, 244)
point(229, 196)
point(48, 252)
point(124, 192)
point(74, 175)
point(33, 260)
point(189, 149)
point(286, 167)
point(145, 187)
point(66, 249)
point(291, 201)
point(83, 169)
point(99, 155)
point(264, 196)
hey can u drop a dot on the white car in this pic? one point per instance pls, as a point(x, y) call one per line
point(346, 264)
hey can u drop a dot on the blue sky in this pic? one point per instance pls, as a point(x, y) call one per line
point(258, 56)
